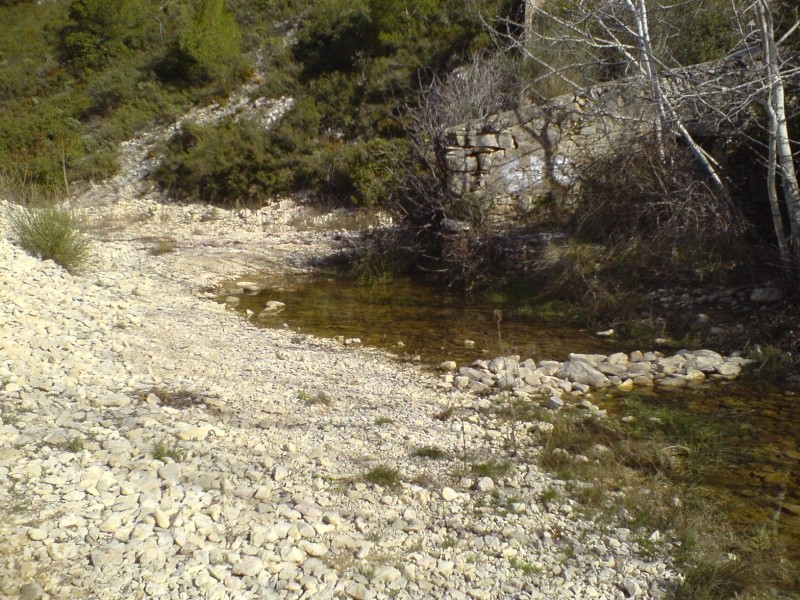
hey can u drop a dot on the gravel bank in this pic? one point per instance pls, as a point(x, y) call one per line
point(258, 492)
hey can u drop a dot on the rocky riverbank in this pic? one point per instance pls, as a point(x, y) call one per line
point(582, 373)
point(155, 444)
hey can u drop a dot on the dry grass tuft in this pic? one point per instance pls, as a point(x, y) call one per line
point(52, 233)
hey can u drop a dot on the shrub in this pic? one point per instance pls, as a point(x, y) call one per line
point(98, 32)
point(385, 254)
point(36, 141)
point(221, 164)
point(51, 233)
point(633, 191)
point(770, 363)
point(209, 41)
point(374, 168)
point(333, 39)
point(168, 449)
point(111, 90)
point(659, 219)
point(383, 476)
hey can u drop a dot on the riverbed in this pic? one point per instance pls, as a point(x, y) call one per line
point(756, 473)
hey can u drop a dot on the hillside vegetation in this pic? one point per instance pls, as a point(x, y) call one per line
point(77, 77)
point(374, 82)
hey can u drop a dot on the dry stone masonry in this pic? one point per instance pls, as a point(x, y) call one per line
point(516, 158)
point(519, 157)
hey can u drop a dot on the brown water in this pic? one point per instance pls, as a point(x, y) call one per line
point(427, 320)
point(759, 472)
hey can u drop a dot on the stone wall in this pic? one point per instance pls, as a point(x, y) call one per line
point(516, 158)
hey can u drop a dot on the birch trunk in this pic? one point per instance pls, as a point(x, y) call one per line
point(781, 160)
point(667, 115)
point(650, 69)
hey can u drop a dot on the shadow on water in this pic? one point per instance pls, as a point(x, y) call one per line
point(412, 318)
point(757, 468)
point(752, 448)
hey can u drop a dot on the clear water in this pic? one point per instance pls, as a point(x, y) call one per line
point(425, 319)
point(758, 473)
point(763, 480)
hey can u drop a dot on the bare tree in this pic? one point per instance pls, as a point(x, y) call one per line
point(780, 159)
point(615, 37)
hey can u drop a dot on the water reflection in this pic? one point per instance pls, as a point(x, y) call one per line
point(427, 321)
point(759, 471)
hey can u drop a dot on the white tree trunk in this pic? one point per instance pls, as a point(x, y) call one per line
point(781, 159)
point(649, 68)
point(667, 115)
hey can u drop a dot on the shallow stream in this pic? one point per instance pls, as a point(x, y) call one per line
point(411, 318)
point(759, 423)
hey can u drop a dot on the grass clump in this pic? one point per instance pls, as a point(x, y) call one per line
point(174, 398)
point(384, 421)
point(549, 495)
point(433, 452)
point(445, 414)
point(769, 363)
point(164, 449)
point(383, 476)
point(52, 233)
point(526, 567)
point(74, 445)
point(491, 468)
point(315, 399)
point(164, 246)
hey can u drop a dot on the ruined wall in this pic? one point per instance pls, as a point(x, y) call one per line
point(518, 157)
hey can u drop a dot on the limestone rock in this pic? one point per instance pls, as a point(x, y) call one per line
point(581, 371)
point(31, 591)
point(248, 567)
point(766, 295)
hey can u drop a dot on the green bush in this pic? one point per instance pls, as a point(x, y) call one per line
point(336, 36)
point(209, 41)
point(39, 141)
point(110, 90)
point(223, 164)
point(374, 171)
point(239, 162)
point(99, 32)
point(51, 233)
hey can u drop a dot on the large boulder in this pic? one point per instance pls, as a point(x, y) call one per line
point(580, 371)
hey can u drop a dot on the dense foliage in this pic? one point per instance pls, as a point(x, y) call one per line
point(77, 77)
point(352, 67)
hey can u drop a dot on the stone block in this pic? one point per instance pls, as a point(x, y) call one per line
point(456, 159)
point(456, 137)
point(458, 183)
point(488, 160)
point(486, 140)
point(506, 140)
